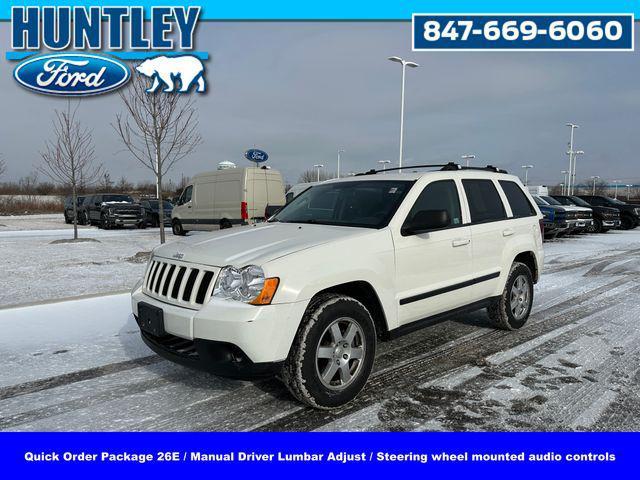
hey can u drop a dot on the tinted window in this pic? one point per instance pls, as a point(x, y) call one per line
point(520, 205)
point(564, 200)
point(117, 198)
point(551, 200)
point(485, 204)
point(441, 195)
point(580, 202)
point(368, 204)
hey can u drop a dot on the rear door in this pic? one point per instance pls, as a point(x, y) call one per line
point(489, 231)
point(433, 269)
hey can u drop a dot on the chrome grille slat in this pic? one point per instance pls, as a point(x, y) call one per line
point(164, 277)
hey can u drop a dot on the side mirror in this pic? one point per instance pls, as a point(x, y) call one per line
point(425, 221)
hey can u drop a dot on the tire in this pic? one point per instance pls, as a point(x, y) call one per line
point(597, 226)
point(67, 220)
point(104, 224)
point(142, 225)
point(155, 221)
point(628, 223)
point(225, 223)
point(505, 314)
point(176, 227)
point(303, 370)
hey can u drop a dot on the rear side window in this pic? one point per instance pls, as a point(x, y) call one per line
point(485, 203)
point(440, 195)
point(520, 205)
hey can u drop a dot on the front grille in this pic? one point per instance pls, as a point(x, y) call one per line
point(127, 212)
point(182, 284)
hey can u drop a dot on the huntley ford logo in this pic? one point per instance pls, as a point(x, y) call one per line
point(78, 38)
point(71, 74)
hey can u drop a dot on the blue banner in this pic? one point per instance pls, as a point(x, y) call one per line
point(476, 455)
point(359, 9)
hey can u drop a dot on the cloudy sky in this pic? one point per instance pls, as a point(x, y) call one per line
point(302, 90)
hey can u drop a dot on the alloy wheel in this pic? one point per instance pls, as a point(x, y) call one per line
point(340, 353)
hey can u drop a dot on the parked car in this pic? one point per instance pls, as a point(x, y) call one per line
point(152, 211)
point(108, 210)
point(629, 213)
point(297, 189)
point(68, 208)
point(346, 264)
point(604, 218)
point(556, 219)
point(223, 198)
point(584, 215)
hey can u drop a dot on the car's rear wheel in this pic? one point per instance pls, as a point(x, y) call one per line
point(333, 352)
point(176, 227)
point(511, 310)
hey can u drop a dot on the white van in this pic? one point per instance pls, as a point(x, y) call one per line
point(297, 189)
point(224, 198)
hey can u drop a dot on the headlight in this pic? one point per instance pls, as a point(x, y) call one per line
point(246, 284)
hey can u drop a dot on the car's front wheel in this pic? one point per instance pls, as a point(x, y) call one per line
point(511, 310)
point(176, 228)
point(333, 352)
point(104, 222)
point(628, 222)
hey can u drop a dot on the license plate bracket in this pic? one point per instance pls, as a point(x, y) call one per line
point(151, 319)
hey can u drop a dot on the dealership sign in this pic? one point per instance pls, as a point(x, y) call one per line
point(256, 155)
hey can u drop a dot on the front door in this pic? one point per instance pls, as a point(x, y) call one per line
point(434, 269)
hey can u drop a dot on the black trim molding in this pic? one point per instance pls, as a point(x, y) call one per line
point(450, 288)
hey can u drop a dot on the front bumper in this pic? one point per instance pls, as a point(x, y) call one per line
point(230, 338)
point(123, 220)
point(611, 223)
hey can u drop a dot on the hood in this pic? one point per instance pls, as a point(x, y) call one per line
point(604, 209)
point(119, 204)
point(253, 244)
point(575, 208)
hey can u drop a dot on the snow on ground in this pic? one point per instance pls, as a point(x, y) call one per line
point(80, 365)
point(37, 269)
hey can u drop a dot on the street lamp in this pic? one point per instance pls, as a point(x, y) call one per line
point(565, 173)
point(318, 166)
point(340, 151)
point(616, 182)
point(384, 164)
point(594, 178)
point(562, 188)
point(571, 153)
point(573, 174)
point(467, 158)
point(628, 191)
point(404, 64)
point(526, 173)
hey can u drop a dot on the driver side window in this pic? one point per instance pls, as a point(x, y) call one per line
point(439, 195)
point(186, 195)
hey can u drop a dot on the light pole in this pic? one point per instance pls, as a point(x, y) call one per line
point(562, 188)
point(340, 151)
point(594, 178)
point(573, 126)
point(384, 164)
point(565, 184)
point(628, 191)
point(573, 175)
point(616, 182)
point(318, 166)
point(526, 173)
point(467, 158)
point(404, 64)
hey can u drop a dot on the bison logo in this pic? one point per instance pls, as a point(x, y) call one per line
point(185, 70)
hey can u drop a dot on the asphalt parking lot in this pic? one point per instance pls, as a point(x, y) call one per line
point(80, 365)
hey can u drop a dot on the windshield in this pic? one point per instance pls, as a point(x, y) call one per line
point(539, 201)
point(615, 200)
point(117, 198)
point(551, 200)
point(580, 202)
point(369, 204)
point(564, 201)
point(155, 205)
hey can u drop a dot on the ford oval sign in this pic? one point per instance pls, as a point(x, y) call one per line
point(71, 74)
point(256, 155)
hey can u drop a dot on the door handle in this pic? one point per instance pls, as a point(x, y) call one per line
point(507, 233)
point(461, 242)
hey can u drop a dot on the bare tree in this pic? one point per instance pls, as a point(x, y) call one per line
point(158, 129)
point(68, 159)
point(309, 176)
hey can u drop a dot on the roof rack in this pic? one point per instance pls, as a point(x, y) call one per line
point(444, 167)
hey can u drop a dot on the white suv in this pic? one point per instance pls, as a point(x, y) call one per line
point(346, 264)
